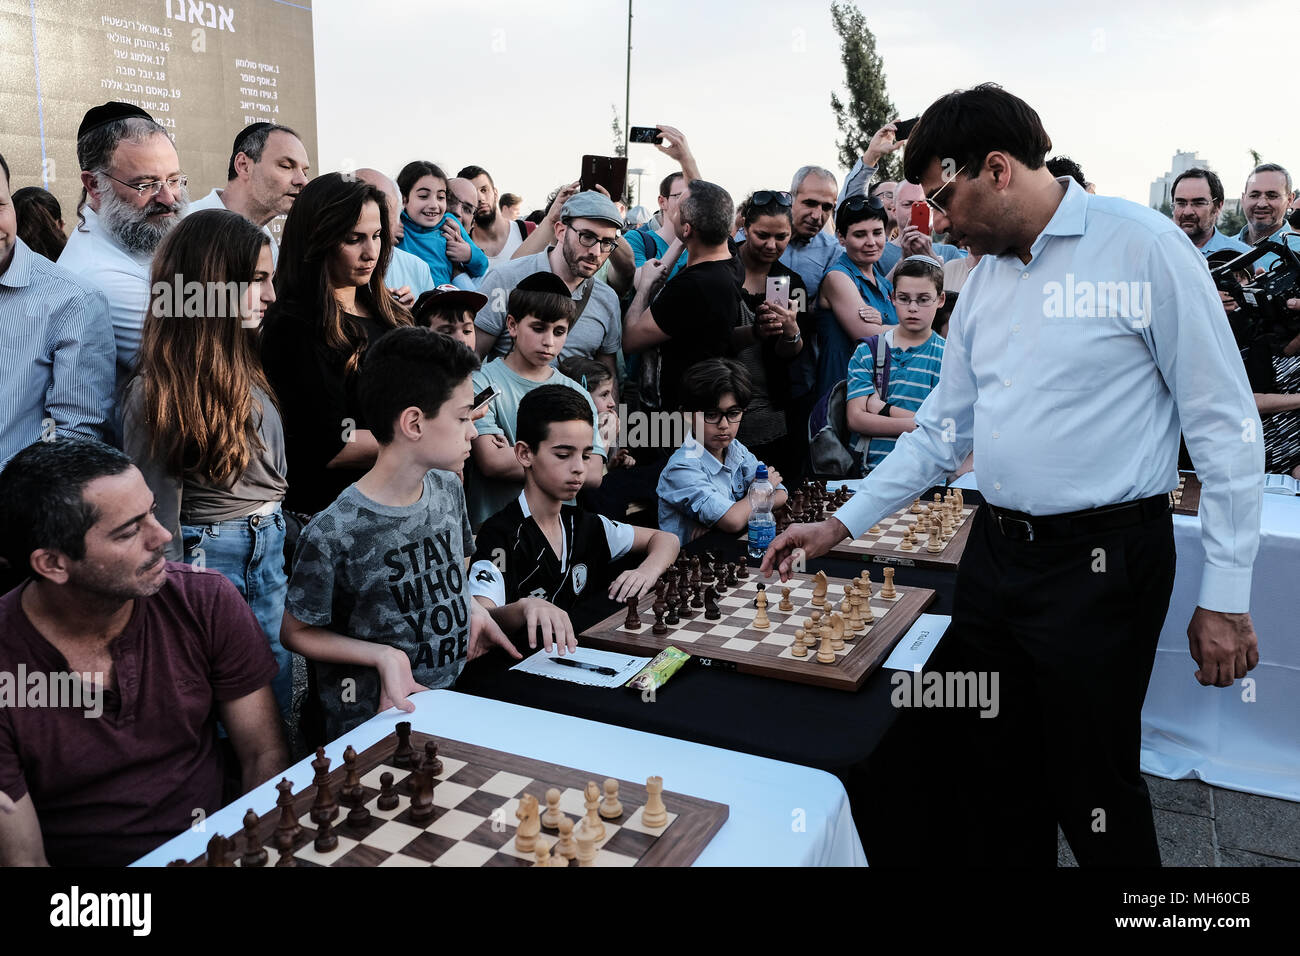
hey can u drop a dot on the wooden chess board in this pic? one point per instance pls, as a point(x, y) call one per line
point(474, 822)
point(1186, 498)
point(733, 642)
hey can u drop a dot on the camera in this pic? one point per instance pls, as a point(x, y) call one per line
point(1262, 320)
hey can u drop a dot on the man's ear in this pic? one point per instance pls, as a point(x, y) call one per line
point(560, 229)
point(410, 423)
point(88, 183)
point(523, 454)
point(50, 564)
point(242, 164)
point(999, 164)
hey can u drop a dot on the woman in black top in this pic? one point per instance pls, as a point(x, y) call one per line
point(331, 305)
point(769, 336)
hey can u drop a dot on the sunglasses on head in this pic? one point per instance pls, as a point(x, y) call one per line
point(765, 197)
point(856, 203)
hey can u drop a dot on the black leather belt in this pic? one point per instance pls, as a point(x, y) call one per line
point(1018, 526)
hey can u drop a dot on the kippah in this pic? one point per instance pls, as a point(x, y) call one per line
point(246, 132)
point(110, 112)
point(544, 282)
point(929, 260)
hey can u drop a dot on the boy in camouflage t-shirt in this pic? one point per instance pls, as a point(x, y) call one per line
point(377, 599)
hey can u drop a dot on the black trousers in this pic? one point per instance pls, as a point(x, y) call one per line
point(1070, 628)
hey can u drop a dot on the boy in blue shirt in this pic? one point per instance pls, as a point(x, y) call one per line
point(536, 559)
point(913, 352)
point(706, 482)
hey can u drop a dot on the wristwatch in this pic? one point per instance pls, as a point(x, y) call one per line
point(797, 336)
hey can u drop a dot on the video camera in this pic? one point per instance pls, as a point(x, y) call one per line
point(1262, 319)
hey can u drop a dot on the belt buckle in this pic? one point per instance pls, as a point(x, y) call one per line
point(1027, 535)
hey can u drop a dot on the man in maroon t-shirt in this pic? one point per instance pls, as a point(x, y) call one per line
point(104, 766)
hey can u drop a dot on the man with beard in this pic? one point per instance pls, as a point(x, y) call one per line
point(497, 235)
point(586, 234)
point(133, 194)
point(120, 761)
point(1197, 202)
point(268, 168)
point(1264, 203)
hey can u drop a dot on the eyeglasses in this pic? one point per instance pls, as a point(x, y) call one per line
point(856, 203)
point(732, 415)
point(588, 239)
point(1194, 203)
point(149, 190)
point(933, 201)
point(765, 197)
point(921, 300)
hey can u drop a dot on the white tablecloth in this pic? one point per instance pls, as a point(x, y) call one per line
point(1212, 733)
point(781, 814)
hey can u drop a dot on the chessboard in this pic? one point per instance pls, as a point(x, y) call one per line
point(473, 810)
point(732, 639)
point(887, 542)
point(1186, 498)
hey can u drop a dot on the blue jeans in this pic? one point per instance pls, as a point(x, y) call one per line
point(250, 553)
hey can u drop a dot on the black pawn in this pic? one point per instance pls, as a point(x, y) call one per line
point(432, 761)
point(387, 792)
point(326, 839)
point(660, 627)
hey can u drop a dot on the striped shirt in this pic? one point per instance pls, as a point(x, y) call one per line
point(57, 353)
point(913, 374)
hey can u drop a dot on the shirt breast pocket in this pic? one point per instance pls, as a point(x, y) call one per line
point(1066, 359)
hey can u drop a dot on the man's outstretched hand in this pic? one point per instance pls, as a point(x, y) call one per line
point(801, 541)
point(1224, 645)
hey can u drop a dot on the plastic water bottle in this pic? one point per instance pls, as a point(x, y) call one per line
point(762, 525)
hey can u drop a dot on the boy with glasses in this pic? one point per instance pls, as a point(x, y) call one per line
point(705, 484)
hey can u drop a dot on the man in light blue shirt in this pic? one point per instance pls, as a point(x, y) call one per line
point(56, 336)
point(1197, 196)
point(1089, 332)
point(1264, 203)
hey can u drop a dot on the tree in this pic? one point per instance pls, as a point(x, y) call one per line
point(1231, 222)
point(1256, 159)
point(1166, 209)
point(620, 149)
point(868, 107)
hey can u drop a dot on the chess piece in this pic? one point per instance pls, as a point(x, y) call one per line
point(586, 841)
point(543, 854)
point(659, 626)
point(697, 593)
point(219, 849)
point(935, 544)
point(422, 800)
point(672, 619)
point(351, 795)
point(906, 543)
point(387, 792)
point(711, 610)
point(706, 569)
point(553, 815)
point(864, 582)
point(403, 754)
point(786, 604)
point(592, 821)
point(742, 568)
point(327, 841)
point(799, 648)
point(286, 857)
point(695, 569)
point(825, 655)
point(761, 620)
point(655, 814)
point(359, 815)
point(324, 807)
point(684, 608)
point(432, 762)
point(855, 614)
point(837, 633)
point(254, 852)
point(530, 824)
point(814, 623)
point(633, 620)
point(732, 575)
point(287, 830)
point(720, 574)
point(887, 589)
point(874, 529)
point(938, 501)
point(566, 846)
point(916, 506)
point(819, 589)
point(611, 808)
point(844, 601)
point(868, 616)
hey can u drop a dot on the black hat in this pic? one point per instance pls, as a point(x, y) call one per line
point(110, 112)
point(449, 297)
point(544, 282)
point(246, 132)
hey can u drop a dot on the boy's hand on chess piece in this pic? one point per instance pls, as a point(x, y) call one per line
point(555, 627)
point(396, 682)
point(1223, 645)
point(485, 633)
point(631, 583)
point(801, 541)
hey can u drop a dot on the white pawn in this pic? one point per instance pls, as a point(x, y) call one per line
point(655, 814)
point(610, 807)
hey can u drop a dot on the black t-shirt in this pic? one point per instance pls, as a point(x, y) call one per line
point(513, 559)
point(698, 308)
point(318, 403)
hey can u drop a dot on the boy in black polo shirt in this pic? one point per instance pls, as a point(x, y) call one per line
point(536, 555)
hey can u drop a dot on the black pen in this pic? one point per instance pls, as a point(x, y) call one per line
point(569, 662)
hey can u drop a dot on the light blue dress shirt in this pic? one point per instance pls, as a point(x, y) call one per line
point(56, 351)
point(1070, 377)
point(1220, 241)
point(405, 269)
point(695, 489)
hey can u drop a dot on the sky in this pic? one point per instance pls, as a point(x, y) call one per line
point(525, 89)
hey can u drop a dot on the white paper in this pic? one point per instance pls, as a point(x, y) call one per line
point(625, 667)
point(919, 642)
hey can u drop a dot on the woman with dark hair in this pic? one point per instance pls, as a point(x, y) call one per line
point(200, 419)
point(769, 336)
point(331, 306)
point(40, 221)
point(855, 298)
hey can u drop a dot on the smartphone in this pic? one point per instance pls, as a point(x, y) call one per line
point(607, 171)
point(921, 216)
point(778, 291)
point(484, 397)
point(645, 134)
point(903, 129)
